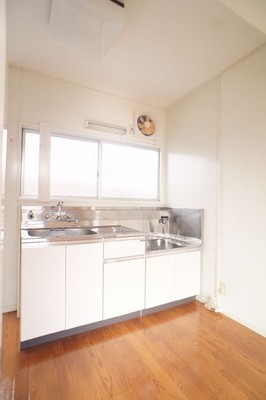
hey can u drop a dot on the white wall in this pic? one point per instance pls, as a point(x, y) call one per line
point(192, 167)
point(2, 108)
point(217, 160)
point(35, 100)
point(243, 244)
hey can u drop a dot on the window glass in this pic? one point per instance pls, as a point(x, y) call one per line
point(30, 163)
point(130, 172)
point(74, 166)
point(81, 167)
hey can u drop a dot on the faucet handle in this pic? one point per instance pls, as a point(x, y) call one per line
point(59, 206)
point(163, 219)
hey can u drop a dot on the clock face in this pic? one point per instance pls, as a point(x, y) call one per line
point(146, 125)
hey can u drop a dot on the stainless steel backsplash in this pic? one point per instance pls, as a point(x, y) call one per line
point(181, 221)
point(187, 222)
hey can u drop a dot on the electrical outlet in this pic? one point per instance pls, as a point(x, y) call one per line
point(222, 288)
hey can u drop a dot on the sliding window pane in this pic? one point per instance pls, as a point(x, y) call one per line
point(74, 166)
point(130, 172)
point(30, 163)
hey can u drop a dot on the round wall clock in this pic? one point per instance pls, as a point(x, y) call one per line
point(146, 125)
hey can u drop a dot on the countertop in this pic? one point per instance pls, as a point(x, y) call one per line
point(60, 236)
point(100, 233)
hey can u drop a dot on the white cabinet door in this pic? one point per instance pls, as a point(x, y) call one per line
point(124, 287)
point(160, 280)
point(42, 291)
point(172, 277)
point(84, 284)
point(187, 274)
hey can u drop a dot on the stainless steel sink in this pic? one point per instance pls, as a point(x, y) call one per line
point(76, 232)
point(161, 244)
point(55, 232)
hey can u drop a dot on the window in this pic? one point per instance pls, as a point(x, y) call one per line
point(129, 172)
point(74, 166)
point(86, 168)
point(30, 163)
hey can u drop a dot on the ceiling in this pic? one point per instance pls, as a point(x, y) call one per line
point(165, 49)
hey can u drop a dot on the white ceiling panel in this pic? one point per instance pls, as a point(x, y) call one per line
point(165, 49)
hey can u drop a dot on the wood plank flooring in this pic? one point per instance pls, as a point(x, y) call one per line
point(186, 352)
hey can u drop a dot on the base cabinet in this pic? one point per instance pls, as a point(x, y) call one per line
point(67, 286)
point(61, 288)
point(187, 274)
point(124, 287)
point(42, 291)
point(84, 278)
point(172, 277)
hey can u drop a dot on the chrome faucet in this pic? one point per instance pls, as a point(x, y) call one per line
point(163, 219)
point(59, 214)
point(59, 207)
point(56, 211)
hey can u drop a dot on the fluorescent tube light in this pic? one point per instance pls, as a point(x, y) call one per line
point(103, 127)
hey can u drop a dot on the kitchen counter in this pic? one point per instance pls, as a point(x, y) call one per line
point(53, 236)
point(155, 243)
point(75, 278)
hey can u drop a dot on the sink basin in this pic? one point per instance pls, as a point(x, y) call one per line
point(161, 244)
point(55, 232)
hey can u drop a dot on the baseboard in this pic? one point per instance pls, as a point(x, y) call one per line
point(245, 323)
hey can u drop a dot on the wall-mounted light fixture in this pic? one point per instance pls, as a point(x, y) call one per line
point(103, 127)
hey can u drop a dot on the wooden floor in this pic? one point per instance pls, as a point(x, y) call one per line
point(186, 352)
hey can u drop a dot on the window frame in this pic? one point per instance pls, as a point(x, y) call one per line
point(22, 163)
point(99, 199)
point(4, 160)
